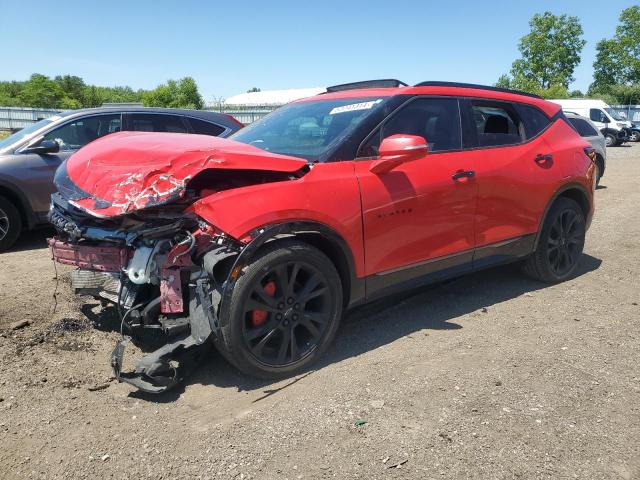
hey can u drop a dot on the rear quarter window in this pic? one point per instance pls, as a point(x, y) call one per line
point(533, 120)
point(203, 127)
point(583, 127)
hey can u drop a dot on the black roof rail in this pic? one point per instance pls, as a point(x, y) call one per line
point(473, 85)
point(383, 83)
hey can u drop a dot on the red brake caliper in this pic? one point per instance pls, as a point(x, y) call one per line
point(258, 317)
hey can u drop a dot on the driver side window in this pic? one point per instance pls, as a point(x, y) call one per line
point(437, 120)
point(596, 115)
point(78, 133)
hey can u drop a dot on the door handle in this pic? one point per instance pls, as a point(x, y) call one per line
point(540, 158)
point(463, 174)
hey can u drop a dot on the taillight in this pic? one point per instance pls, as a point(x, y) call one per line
point(591, 153)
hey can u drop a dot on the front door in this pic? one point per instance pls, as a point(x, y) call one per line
point(418, 218)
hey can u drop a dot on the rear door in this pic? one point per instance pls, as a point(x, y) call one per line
point(418, 218)
point(515, 172)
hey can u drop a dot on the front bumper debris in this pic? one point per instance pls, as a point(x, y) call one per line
point(178, 297)
point(160, 370)
point(100, 258)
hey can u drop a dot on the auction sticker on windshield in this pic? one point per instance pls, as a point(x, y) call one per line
point(355, 106)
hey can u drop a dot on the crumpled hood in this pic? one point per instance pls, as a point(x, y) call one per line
point(129, 171)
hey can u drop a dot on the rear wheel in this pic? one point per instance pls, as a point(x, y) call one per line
point(284, 311)
point(560, 244)
point(635, 136)
point(10, 224)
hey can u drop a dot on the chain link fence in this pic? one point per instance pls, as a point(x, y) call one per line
point(15, 118)
point(630, 112)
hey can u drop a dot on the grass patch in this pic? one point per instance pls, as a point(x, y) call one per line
point(4, 134)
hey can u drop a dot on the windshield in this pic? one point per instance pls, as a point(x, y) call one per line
point(615, 115)
point(308, 129)
point(24, 133)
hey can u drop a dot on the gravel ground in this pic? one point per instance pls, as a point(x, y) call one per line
point(488, 376)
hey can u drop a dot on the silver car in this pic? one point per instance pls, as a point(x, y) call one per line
point(30, 157)
point(591, 134)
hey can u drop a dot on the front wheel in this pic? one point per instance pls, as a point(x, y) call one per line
point(283, 313)
point(610, 140)
point(560, 243)
point(10, 224)
point(635, 136)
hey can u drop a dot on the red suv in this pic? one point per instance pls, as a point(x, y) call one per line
point(260, 242)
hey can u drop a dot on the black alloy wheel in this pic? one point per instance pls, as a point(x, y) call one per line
point(284, 311)
point(560, 243)
point(565, 242)
point(296, 318)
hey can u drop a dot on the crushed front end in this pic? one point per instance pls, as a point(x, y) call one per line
point(125, 218)
point(158, 267)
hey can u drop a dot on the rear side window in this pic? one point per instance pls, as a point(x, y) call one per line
point(583, 127)
point(497, 124)
point(533, 120)
point(153, 122)
point(203, 127)
point(437, 120)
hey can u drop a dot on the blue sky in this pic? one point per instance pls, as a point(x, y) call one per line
point(229, 47)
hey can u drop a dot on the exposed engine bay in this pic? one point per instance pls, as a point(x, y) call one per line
point(164, 274)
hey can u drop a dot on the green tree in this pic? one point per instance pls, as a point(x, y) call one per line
point(188, 95)
point(549, 53)
point(618, 58)
point(91, 97)
point(41, 91)
point(10, 92)
point(254, 89)
point(73, 88)
point(175, 94)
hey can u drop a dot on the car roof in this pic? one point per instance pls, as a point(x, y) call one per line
point(220, 118)
point(443, 89)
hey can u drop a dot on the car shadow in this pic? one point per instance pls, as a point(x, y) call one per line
point(32, 239)
point(382, 322)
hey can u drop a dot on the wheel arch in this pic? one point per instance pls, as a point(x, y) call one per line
point(574, 191)
point(12, 193)
point(322, 237)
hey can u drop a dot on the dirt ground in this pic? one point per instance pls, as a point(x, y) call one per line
point(488, 376)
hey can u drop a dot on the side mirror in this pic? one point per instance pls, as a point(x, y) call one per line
point(398, 149)
point(45, 146)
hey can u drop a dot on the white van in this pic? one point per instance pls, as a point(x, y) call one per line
point(614, 128)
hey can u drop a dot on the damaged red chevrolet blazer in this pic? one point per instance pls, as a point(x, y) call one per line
point(259, 243)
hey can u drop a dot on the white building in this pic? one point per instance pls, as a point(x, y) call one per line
point(272, 97)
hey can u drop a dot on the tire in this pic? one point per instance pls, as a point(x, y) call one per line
point(560, 243)
point(635, 136)
point(298, 322)
point(599, 169)
point(10, 224)
point(610, 140)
